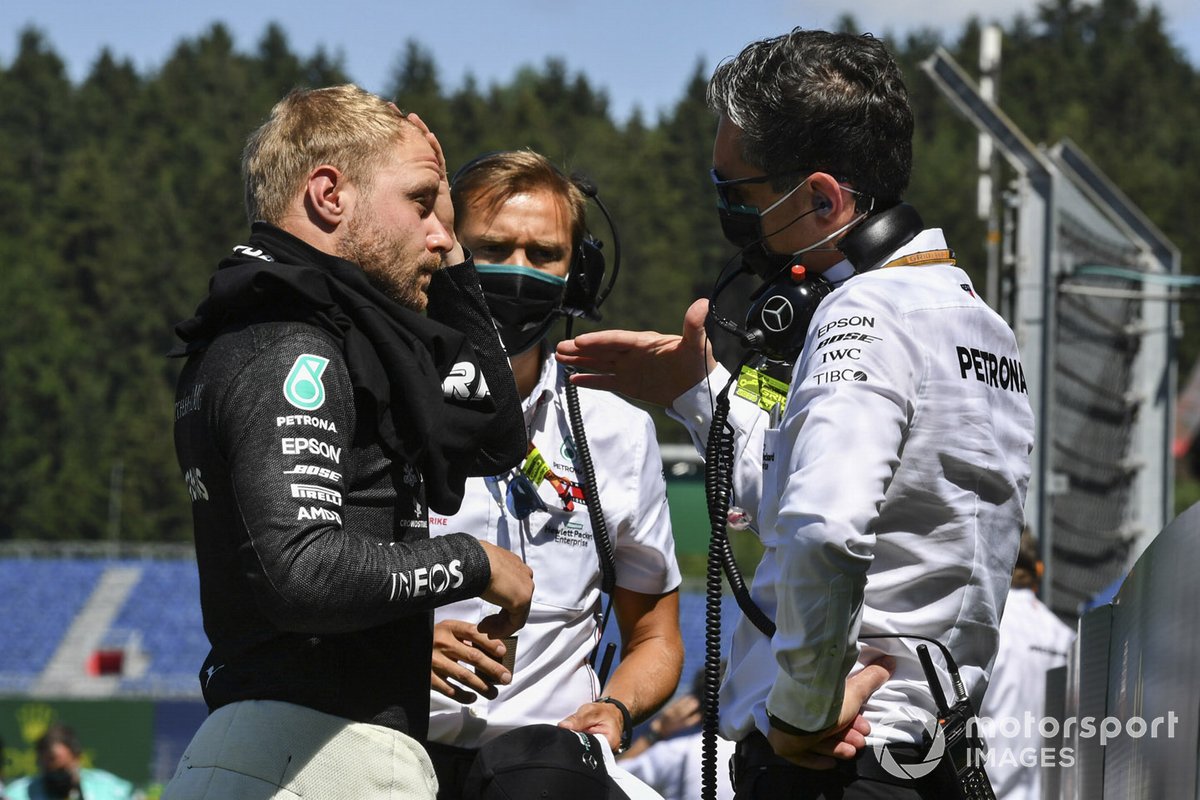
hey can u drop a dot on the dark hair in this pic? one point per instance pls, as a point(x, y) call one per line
point(58, 733)
point(819, 101)
point(1027, 571)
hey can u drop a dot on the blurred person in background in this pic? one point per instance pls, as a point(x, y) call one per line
point(667, 755)
point(62, 776)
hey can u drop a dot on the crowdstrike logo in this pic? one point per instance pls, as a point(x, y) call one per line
point(210, 672)
point(588, 758)
point(899, 720)
point(465, 382)
point(777, 314)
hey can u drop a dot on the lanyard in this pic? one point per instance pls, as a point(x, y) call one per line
point(537, 470)
point(923, 258)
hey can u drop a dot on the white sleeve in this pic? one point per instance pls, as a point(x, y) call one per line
point(694, 409)
point(847, 417)
point(645, 546)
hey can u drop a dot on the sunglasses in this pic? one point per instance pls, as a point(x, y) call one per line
point(723, 185)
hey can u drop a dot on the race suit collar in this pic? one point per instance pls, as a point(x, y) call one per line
point(439, 386)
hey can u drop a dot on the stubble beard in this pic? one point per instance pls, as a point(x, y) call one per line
point(389, 263)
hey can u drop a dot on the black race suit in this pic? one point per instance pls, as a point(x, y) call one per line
point(317, 573)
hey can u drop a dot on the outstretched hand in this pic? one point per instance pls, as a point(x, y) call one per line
point(645, 365)
point(847, 736)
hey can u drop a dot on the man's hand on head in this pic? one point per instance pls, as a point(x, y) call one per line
point(679, 715)
point(444, 207)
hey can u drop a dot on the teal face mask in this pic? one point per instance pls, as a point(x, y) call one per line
point(524, 303)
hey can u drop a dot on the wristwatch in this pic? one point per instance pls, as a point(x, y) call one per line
point(626, 722)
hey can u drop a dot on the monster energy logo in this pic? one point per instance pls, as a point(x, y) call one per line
point(303, 387)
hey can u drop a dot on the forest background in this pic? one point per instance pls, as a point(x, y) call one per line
point(123, 193)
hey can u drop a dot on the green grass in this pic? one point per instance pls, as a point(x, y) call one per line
point(1187, 493)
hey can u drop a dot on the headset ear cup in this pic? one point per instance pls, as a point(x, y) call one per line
point(780, 311)
point(584, 279)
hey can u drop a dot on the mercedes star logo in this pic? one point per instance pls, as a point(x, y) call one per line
point(777, 314)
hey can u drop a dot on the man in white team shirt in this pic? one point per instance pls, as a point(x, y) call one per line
point(524, 222)
point(1033, 640)
point(889, 493)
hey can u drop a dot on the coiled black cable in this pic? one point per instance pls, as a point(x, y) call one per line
point(718, 490)
point(608, 566)
point(718, 471)
point(604, 546)
point(608, 561)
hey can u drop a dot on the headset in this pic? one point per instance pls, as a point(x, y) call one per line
point(585, 291)
point(781, 308)
point(582, 297)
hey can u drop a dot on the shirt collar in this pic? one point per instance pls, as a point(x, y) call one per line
point(547, 382)
point(929, 239)
point(839, 272)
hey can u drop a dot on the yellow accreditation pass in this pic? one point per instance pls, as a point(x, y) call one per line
point(535, 466)
point(761, 389)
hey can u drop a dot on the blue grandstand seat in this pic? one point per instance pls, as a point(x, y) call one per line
point(164, 610)
point(162, 613)
point(40, 597)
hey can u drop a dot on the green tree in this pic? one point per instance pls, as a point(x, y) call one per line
point(124, 192)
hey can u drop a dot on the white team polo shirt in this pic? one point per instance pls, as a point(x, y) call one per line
point(552, 677)
point(1033, 640)
point(889, 496)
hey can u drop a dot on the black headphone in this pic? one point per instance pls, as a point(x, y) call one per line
point(780, 310)
point(585, 290)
